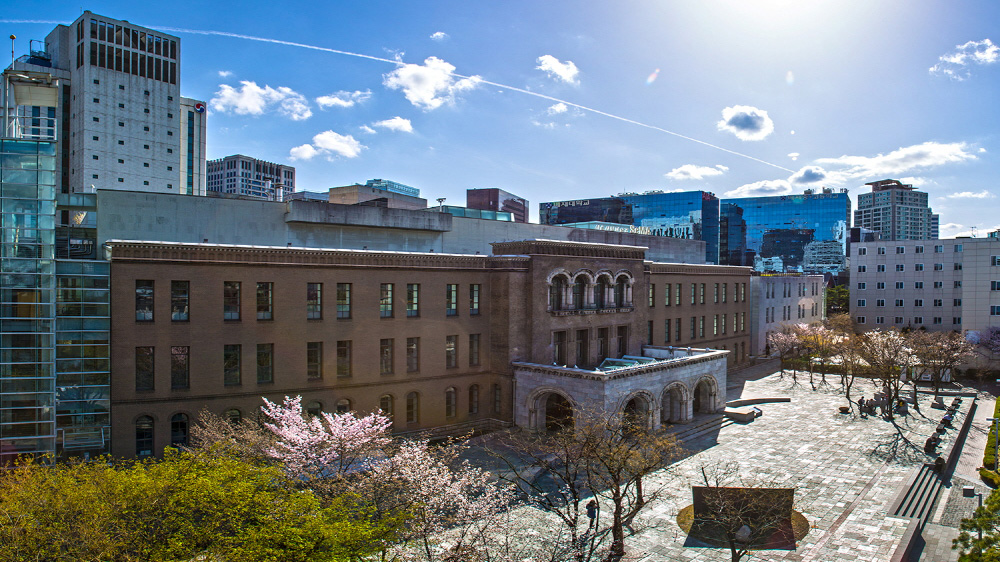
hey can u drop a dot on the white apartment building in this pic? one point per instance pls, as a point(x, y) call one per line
point(778, 300)
point(896, 211)
point(120, 116)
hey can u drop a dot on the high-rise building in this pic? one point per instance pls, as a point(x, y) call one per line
point(896, 211)
point(493, 199)
point(804, 233)
point(119, 116)
point(692, 215)
point(250, 177)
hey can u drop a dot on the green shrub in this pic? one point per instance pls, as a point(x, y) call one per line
point(990, 477)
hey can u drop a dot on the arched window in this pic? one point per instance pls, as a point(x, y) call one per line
point(556, 291)
point(343, 406)
point(233, 415)
point(601, 292)
point(580, 292)
point(385, 404)
point(450, 402)
point(474, 399)
point(314, 408)
point(621, 291)
point(179, 430)
point(144, 436)
point(412, 407)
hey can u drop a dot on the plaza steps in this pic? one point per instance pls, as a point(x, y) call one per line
point(917, 499)
point(700, 427)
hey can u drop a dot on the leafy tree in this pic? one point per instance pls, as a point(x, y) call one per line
point(185, 506)
point(837, 299)
point(985, 521)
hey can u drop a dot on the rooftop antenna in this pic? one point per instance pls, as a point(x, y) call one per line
point(440, 201)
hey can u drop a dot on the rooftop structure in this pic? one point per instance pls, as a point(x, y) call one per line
point(250, 177)
point(493, 199)
point(896, 211)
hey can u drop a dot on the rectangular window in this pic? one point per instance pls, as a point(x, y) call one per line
point(385, 356)
point(938, 302)
point(939, 267)
point(344, 358)
point(314, 360)
point(143, 300)
point(649, 332)
point(958, 267)
point(995, 310)
point(559, 348)
point(716, 293)
point(343, 300)
point(994, 261)
point(265, 300)
point(602, 343)
point(743, 321)
point(412, 300)
point(900, 267)
point(144, 368)
point(958, 247)
point(385, 300)
point(918, 250)
point(666, 294)
point(314, 301)
point(715, 326)
point(862, 286)
point(918, 284)
point(666, 331)
point(900, 250)
point(743, 292)
point(995, 285)
point(939, 284)
point(179, 300)
point(451, 299)
point(677, 297)
point(694, 293)
point(622, 340)
point(451, 351)
point(180, 367)
point(956, 302)
point(881, 251)
point(880, 268)
point(412, 355)
point(701, 327)
point(265, 363)
point(701, 293)
point(862, 268)
point(861, 320)
point(862, 251)
point(694, 327)
point(918, 267)
point(231, 300)
point(861, 302)
point(956, 319)
point(652, 294)
point(899, 302)
point(474, 299)
point(957, 285)
point(677, 330)
point(231, 374)
point(724, 324)
point(918, 302)
point(473, 350)
point(899, 284)
point(497, 398)
point(725, 292)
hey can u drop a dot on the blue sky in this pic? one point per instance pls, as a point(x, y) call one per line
point(568, 100)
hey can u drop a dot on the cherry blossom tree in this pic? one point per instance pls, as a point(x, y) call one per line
point(888, 354)
point(786, 344)
point(939, 353)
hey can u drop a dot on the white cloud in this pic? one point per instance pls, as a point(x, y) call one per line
point(695, 172)
point(981, 149)
point(746, 122)
point(251, 99)
point(914, 181)
point(430, 85)
point(793, 155)
point(343, 99)
point(225, 73)
point(367, 129)
point(557, 109)
point(439, 36)
point(955, 65)
point(303, 152)
point(984, 194)
point(897, 162)
point(565, 71)
point(808, 174)
point(329, 144)
point(951, 228)
point(762, 189)
point(395, 124)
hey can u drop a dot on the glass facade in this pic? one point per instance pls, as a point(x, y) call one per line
point(692, 215)
point(27, 298)
point(806, 232)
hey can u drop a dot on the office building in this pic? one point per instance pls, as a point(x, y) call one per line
point(804, 233)
point(493, 199)
point(691, 215)
point(378, 193)
point(896, 211)
point(780, 300)
point(250, 177)
point(118, 110)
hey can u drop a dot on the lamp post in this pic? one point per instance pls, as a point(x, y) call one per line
point(968, 492)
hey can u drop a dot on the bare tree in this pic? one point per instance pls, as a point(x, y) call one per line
point(601, 457)
point(888, 355)
point(786, 344)
point(939, 353)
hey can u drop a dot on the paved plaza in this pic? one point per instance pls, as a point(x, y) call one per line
point(846, 470)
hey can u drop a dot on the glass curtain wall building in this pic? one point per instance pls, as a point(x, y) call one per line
point(692, 215)
point(788, 233)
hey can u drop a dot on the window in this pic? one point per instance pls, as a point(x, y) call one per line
point(559, 348)
point(343, 300)
point(231, 300)
point(652, 295)
point(716, 293)
point(957, 284)
point(694, 327)
point(344, 358)
point(701, 293)
point(179, 430)
point(880, 319)
point(995, 310)
point(725, 292)
point(938, 302)
point(343, 406)
point(900, 249)
point(900, 267)
point(265, 363)
point(862, 286)
point(412, 300)
point(451, 299)
point(880, 285)
point(451, 351)
point(622, 340)
point(938, 249)
point(862, 251)
point(314, 301)
point(995, 285)
point(958, 267)
point(180, 367)
point(860, 320)
point(412, 355)
point(385, 356)
point(715, 326)
point(958, 247)
point(694, 293)
point(314, 408)
point(880, 302)
point(939, 284)
point(956, 302)
point(899, 302)
point(918, 302)
point(474, 299)
point(412, 407)
point(474, 399)
point(144, 379)
point(956, 320)
point(861, 302)
point(899, 284)
point(385, 300)
point(144, 437)
point(918, 284)
point(143, 300)
point(898, 320)
point(918, 250)
point(666, 331)
point(231, 374)
point(936, 320)
point(602, 343)
point(880, 268)
point(939, 267)
point(918, 319)
point(474, 350)
point(666, 294)
point(701, 327)
point(994, 261)
point(862, 268)
point(881, 251)
point(385, 404)
point(314, 360)
point(450, 402)
point(497, 398)
point(265, 301)
point(677, 297)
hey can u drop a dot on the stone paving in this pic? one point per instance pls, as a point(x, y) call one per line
point(846, 470)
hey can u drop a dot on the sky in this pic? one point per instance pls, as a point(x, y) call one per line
point(565, 100)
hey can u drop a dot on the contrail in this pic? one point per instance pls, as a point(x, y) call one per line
point(480, 79)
